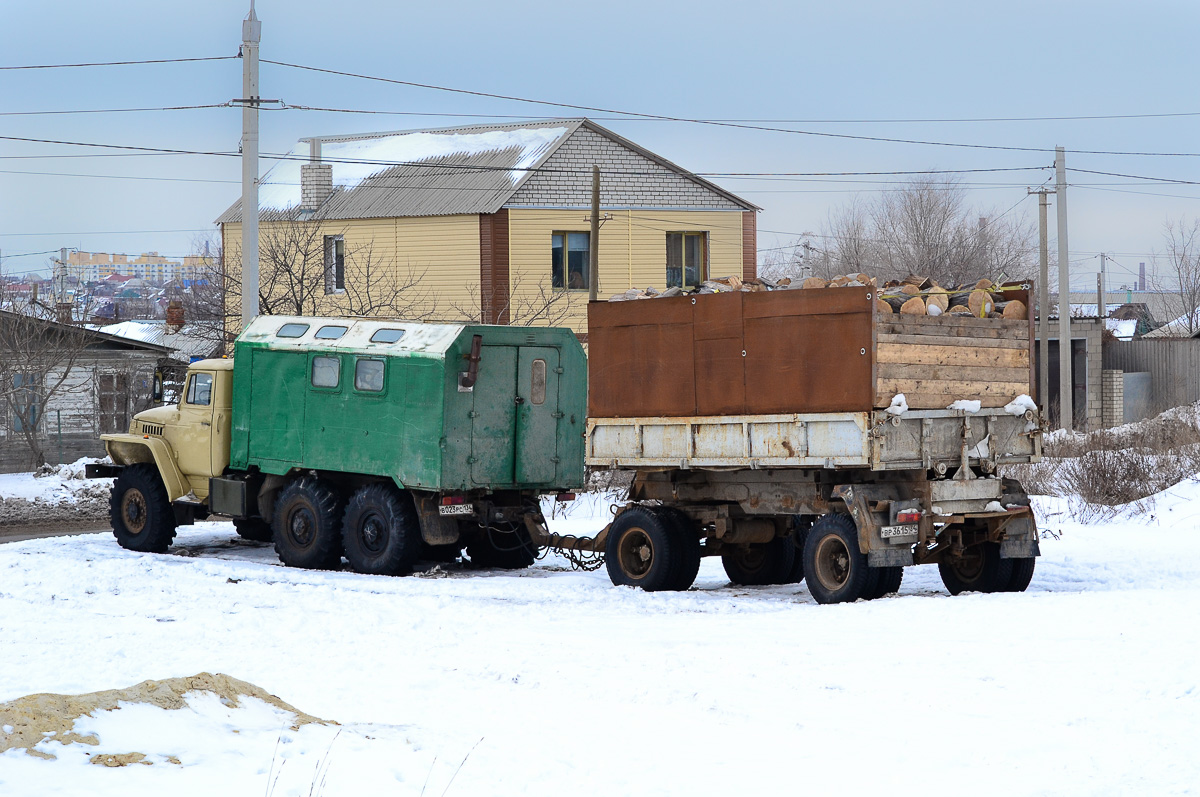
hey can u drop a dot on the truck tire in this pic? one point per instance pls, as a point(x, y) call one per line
point(507, 550)
point(307, 525)
point(142, 517)
point(253, 528)
point(680, 525)
point(888, 580)
point(642, 550)
point(760, 564)
point(1022, 574)
point(979, 569)
point(834, 568)
point(381, 534)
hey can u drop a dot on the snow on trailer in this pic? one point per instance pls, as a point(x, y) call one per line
point(801, 434)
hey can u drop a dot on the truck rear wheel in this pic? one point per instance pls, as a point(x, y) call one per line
point(1022, 574)
point(760, 564)
point(381, 534)
point(834, 568)
point(508, 550)
point(253, 528)
point(142, 516)
point(643, 550)
point(979, 569)
point(307, 525)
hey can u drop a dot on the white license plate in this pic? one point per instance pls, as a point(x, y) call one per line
point(456, 509)
point(906, 530)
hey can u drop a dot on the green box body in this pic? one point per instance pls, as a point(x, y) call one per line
point(311, 403)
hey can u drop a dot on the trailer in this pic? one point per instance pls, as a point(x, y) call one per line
point(802, 434)
point(374, 440)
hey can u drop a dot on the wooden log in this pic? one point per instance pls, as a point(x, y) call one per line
point(983, 284)
point(1014, 309)
point(959, 309)
point(883, 307)
point(911, 290)
point(895, 300)
point(940, 297)
point(814, 282)
point(914, 306)
point(980, 303)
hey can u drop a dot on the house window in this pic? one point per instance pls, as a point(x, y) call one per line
point(114, 403)
point(26, 402)
point(687, 259)
point(335, 264)
point(570, 255)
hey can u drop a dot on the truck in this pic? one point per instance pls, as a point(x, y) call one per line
point(796, 434)
point(804, 434)
point(379, 441)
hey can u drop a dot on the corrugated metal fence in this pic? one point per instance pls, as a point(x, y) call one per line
point(1173, 365)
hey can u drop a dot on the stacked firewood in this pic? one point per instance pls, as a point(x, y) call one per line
point(730, 284)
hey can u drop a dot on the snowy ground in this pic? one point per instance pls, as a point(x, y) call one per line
point(56, 494)
point(552, 682)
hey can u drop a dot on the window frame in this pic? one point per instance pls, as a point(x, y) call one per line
point(189, 390)
point(334, 264)
point(703, 266)
point(312, 364)
point(383, 385)
point(564, 277)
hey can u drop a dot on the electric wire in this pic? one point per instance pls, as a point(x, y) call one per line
point(122, 63)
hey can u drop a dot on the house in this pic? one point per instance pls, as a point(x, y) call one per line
point(65, 385)
point(486, 223)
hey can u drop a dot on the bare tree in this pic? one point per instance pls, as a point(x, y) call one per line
point(38, 359)
point(525, 304)
point(925, 228)
point(1181, 262)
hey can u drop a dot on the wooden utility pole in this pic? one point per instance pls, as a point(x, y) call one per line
point(594, 243)
point(1043, 303)
point(1066, 410)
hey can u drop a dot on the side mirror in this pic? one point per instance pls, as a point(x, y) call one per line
point(158, 386)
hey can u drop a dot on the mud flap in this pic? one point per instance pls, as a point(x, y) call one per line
point(436, 529)
point(897, 557)
point(1019, 549)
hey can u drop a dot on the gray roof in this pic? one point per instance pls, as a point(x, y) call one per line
point(445, 171)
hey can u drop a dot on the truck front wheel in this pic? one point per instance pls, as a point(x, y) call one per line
point(381, 533)
point(979, 569)
point(307, 525)
point(834, 567)
point(142, 517)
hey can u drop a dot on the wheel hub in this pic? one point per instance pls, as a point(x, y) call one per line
point(636, 553)
point(133, 510)
point(373, 533)
point(833, 562)
point(302, 527)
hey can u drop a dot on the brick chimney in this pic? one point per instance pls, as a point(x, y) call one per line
point(174, 316)
point(316, 179)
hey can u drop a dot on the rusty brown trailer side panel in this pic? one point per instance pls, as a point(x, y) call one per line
point(732, 354)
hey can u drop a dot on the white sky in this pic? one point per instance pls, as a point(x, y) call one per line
point(749, 60)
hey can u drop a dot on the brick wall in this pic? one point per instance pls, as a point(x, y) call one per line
point(632, 180)
point(1112, 388)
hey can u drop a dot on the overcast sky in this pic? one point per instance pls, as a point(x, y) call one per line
point(872, 69)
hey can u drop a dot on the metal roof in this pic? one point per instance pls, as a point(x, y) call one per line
point(436, 172)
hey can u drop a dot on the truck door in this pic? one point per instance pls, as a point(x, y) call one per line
point(493, 416)
point(536, 438)
point(192, 438)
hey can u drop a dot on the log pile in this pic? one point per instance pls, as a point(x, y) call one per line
point(730, 284)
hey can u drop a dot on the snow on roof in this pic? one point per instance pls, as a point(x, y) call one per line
point(1124, 329)
point(190, 341)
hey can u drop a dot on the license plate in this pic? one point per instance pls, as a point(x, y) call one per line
point(456, 509)
point(906, 530)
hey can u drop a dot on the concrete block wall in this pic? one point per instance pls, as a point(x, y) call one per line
point(1112, 388)
point(1095, 365)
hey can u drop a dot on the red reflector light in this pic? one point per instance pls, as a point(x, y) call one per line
point(449, 500)
point(908, 517)
point(564, 497)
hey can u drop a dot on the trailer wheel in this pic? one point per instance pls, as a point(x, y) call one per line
point(888, 581)
point(979, 569)
point(507, 550)
point(1022, 574)
point(381, 533)
point(760, 564)
point(835, 569)
point(307, 525)
point(142, 517)
point(253, 528)
point(642, 551)
point(680, 525)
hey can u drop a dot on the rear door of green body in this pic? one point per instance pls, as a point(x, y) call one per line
point(278, 391)
point(514, 422)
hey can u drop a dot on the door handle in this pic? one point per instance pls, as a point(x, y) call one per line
point(519, 400)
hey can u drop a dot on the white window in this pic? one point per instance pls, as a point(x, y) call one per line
point(687, 259)
point(569, 260)
point(335, 264)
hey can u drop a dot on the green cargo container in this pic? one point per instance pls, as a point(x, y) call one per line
point(396, 399)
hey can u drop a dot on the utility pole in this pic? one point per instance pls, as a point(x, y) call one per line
point(1066, 410)
point(251, 35)
point(1043, 303)
point(1101, 308)
point(594, 244)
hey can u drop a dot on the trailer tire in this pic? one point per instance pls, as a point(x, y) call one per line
point(689, 549)
point(253, 528)
point(760, 564)
point(1022, 574)
point(381, 534)
point(981, 571)
point(642, 551)
point(507, 550)
point(834, 568)
point(888, 580)
point(307, 525)
point(141, 513)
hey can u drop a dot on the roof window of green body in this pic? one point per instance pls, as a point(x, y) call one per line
point(330, 332)
point(292, 330)
point(387, 335)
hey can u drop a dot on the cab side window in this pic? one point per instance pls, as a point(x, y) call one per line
point(199, 391)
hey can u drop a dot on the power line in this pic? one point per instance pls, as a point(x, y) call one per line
point(96, 232)
point(123, 63)
point(1137, 177)
point(116, 110)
